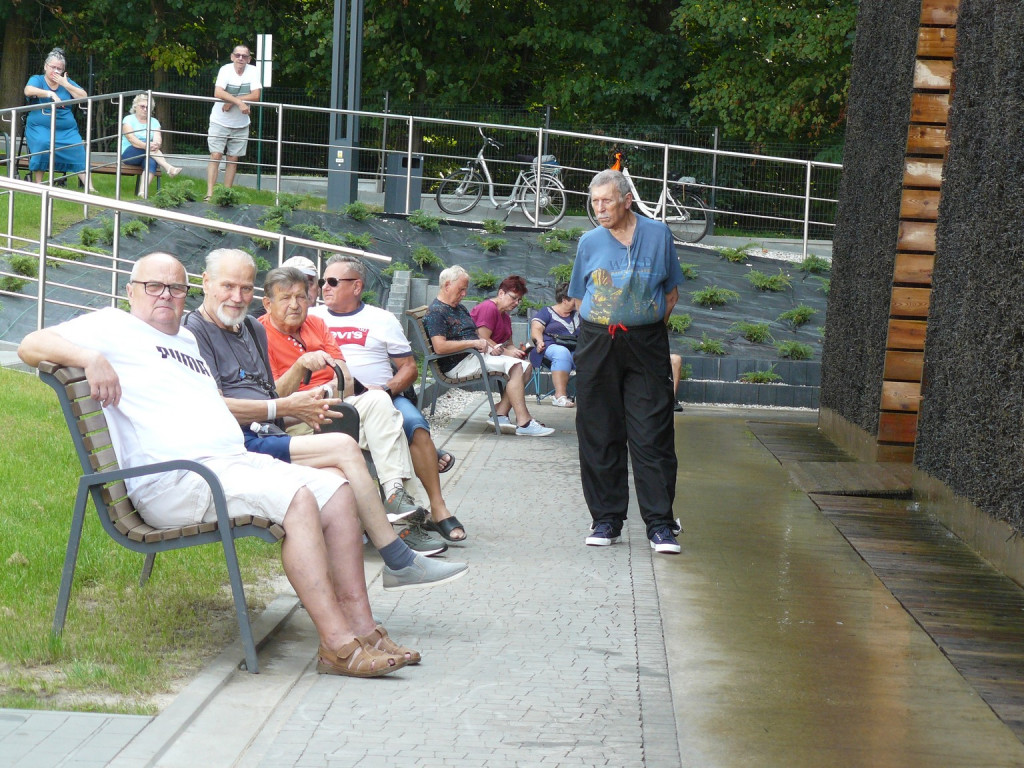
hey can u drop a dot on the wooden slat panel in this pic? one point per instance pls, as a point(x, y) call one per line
point(927, 140)
point(897, 427)
point(903, 453)
point(920, 204)
point(901, 396)
point(903, 366)
point(939, 12)
point(936, 43)
point(933, 74)
point(907, 335)
point(92, 423)
point(925, 173)
point(929, 108)
point(910, 302)
point(916, 236)
point(914, 268)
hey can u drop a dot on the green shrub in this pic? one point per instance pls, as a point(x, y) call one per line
point(795, 350)
point(814, 265)
point(735, 255)
point(173, 195)
point(395, 266)
point(23, 264)
point(685, 371)
point(423, 220)
point(12, 284)
point(798, 315)
point(493, 226)
point(825, 284)
point(226, 197)
point(363, 241)
point(708, 346)
point(90, 236)
point(314, 232)
point(551, 244)
point(525, 305)
point(369, 297)
point(358, 210)
point(679, 323)
point(263, 243)
point(288, 201)
point(761, 377)
point(573, 233)
point(275, 218)
point(195, 286)
point(424, 257)
point(262, 264)
point(483, 280)
point(134, 228)
point(713, 296)
point(774, 283)
point(561, 272)
point(758, 333)
point(64, 253)
point(490, 244)
point(213, 216)
point(690, 271)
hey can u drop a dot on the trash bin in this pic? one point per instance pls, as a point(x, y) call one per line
point(397, 170)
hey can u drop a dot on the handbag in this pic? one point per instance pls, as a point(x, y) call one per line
point(564, 340)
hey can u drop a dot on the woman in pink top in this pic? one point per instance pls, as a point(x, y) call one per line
point(491, 315)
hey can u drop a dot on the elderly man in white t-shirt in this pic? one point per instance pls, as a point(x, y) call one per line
point(379, 355)
point(161, 403)
point(237, 84)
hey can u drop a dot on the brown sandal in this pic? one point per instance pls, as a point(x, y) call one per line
point(380, 640)
point(357, 659)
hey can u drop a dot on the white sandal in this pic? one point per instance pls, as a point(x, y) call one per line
point(562, 402)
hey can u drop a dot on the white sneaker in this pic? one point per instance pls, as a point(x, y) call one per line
point(562, 402)
point(504, 424)
point(534, 429)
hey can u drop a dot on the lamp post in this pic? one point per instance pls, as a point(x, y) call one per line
point(343, 160)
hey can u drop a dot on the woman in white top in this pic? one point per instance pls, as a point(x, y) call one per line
point(137, 129)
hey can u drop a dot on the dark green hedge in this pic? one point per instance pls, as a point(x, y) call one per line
point(868, 214)
point(971, 431)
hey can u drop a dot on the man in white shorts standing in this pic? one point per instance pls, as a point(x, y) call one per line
point(238, 83)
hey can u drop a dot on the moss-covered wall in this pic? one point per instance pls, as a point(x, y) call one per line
point(864, 243)
point(970, 434)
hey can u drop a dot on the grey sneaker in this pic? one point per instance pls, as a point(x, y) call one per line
point(504, 424)
point(399, 506)
point(419, 540)
point(534, 429)
point(423, 573)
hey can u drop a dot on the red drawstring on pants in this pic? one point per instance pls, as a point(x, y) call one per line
point(617, 326)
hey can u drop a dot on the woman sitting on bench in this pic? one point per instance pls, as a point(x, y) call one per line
point(135, 128)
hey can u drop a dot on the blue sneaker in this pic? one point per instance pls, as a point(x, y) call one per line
point(602, 536)
point(662, 540)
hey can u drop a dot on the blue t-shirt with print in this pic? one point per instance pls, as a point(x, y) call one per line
point(625, 284)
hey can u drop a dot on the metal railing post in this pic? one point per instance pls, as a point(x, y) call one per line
point(44, 233)
point(536, 179)
point(807, 208)
point(408, 166)
point(280, 145)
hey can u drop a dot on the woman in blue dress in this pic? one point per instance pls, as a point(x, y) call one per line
point(554, 330)
point(139, 129)
point(54, 86)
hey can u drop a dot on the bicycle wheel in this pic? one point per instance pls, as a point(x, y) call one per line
point(459, 192)
point(688, 221)
point(552, 201)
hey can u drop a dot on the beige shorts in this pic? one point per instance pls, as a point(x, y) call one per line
point(470, 365)
point(227, 141)
point(254, 484)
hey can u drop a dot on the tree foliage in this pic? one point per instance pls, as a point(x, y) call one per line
point(766, 69)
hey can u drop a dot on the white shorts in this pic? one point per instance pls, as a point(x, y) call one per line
point(223, 140)
point(470, 365)
point(254, 484)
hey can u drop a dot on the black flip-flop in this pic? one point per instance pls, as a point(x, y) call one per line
point(445, 528)
point(441, 453)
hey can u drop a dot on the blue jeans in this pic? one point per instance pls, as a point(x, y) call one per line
point(412, 417)
point(136, 156)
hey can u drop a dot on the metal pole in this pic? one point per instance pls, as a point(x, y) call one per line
point(408, 168)
point(280, 143)
point(714, 179)
point(384, 144)
point(807, 207)
point(536, 199)
point(547, 125)
point(44, 231)
point(664, 183)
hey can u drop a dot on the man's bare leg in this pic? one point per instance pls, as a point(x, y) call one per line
point(212, 169)
point(343, 537)
point(424, 461)
point(230, 167)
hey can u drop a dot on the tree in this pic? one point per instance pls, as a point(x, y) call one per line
point(767, 69)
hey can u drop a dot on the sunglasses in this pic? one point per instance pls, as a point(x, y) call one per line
point(333, 281)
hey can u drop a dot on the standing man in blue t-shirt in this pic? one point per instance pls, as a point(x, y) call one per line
point(625, 282)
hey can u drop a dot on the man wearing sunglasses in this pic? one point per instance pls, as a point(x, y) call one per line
point(238, 83)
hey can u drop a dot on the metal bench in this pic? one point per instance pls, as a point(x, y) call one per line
point(490, 383)
point(103, 479)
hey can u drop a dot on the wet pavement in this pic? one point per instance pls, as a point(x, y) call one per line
point(767, 642)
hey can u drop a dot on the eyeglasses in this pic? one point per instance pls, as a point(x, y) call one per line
point(240, 55)
point(156, 288)
point(515, 299)
point(333, 281)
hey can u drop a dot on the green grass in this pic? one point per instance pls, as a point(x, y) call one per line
point(122, 644)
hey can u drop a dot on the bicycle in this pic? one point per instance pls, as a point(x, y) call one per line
point(460, 191)
point(685, 213)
